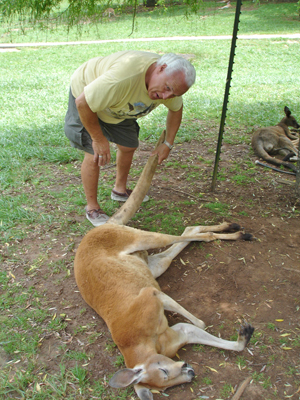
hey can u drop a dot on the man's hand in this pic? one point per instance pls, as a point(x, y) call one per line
point(173, 124)
point(90, 121)
point(162, 151)
point(101, 151)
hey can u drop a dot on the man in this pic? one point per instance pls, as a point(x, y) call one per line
point(107, 95)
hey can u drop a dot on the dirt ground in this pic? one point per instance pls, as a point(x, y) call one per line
point(222, 283)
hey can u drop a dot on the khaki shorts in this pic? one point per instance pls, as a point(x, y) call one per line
point(126, 133)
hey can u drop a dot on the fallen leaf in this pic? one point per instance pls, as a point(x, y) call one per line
point(212, 369)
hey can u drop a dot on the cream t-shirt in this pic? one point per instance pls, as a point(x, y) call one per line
point(114, 86)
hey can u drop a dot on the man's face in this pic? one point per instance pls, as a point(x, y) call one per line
point(164, 86)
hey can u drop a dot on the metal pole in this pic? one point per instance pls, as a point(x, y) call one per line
point(298, 174)
point(227, 90)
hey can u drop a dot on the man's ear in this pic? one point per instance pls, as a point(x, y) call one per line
point(162, 67)
point(125, 377)
point(143, 393)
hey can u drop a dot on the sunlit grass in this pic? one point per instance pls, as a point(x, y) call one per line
point(265, 79)
point(163, 21)
point(40, 181)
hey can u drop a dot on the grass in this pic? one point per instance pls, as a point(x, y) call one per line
point(40, 173)
point(209, 20)
point(226, 390)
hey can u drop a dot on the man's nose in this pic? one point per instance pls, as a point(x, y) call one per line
point(166, 95)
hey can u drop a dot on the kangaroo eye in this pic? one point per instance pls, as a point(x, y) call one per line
point(165, 372)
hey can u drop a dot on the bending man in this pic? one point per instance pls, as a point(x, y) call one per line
point(107, 96)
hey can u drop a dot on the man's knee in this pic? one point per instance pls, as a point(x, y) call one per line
point(89, 159)
point(127, 150)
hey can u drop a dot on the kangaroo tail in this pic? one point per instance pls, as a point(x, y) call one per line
point(132, 204)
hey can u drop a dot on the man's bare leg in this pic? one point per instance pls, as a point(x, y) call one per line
point(90, 177)
point(124, 160)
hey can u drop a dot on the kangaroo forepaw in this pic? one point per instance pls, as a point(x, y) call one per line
point(289, 157)
point(246, 332)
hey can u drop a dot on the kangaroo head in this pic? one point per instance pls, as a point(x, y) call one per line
point(158, 372)
point(289, 120)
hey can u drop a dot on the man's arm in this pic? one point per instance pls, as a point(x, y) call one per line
point(172, 126)
point(90, 121)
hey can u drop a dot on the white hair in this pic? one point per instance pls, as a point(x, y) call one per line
point(177, 63)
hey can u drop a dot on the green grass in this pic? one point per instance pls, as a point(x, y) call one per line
point(241, 362)
point(159, 221)
point(14, 298)
point(209, 20)
point(226, 390)
point(219, 208)
point(38, 168)
point(34, 109)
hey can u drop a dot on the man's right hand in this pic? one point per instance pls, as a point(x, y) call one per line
point(101, 151)
point(90, 121)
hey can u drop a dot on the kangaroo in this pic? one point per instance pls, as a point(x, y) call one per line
point(277, 140)
point(109, 12)
point(228, 5)
point(117, 278)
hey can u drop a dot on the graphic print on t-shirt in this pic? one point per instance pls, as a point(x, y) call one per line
point(135, 110)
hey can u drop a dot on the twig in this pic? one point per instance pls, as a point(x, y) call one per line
point(228, 255)
point(291, 269)
point(285, 182)
point(183, 193)
point(241, 388)
point(263, 227)
point(133, 17)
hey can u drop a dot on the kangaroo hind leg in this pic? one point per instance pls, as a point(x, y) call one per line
point(159, 263)
point(192, 334)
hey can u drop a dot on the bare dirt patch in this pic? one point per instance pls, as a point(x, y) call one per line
point(222, 283)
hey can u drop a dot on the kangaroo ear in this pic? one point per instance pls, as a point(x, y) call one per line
point(125, 377)
point(287, 111)
point(143, 393)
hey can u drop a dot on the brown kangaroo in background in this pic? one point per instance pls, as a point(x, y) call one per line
point(109, 12)
point(277, 139)
point(117, 278)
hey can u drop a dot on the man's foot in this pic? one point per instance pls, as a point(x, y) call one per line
point(97, 217)
point(123, 196)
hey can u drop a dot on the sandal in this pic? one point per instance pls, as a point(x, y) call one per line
point(97, 217)
point(123, 196)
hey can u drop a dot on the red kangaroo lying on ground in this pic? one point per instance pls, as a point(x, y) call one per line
point(116, 277)
point(277, 140)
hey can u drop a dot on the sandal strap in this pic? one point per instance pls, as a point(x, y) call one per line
point(95, 210)
point(126, 194)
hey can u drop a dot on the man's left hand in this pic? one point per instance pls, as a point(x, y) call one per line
point(162, 151)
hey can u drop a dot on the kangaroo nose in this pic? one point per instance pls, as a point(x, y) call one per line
point(189, 369)
point(191, 373)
